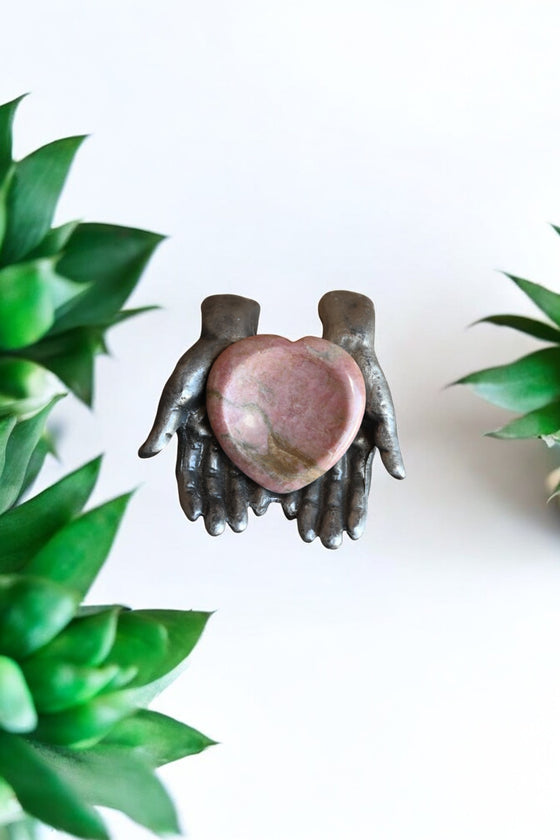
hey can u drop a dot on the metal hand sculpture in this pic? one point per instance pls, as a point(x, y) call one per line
point(211, 486)
point(338, 501)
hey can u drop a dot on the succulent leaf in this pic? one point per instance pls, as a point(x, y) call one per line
point(30, 292)
point(45, 446)
point(17, 710)
point(70, 356)
point(140, 642)
point(109, 258)
point(24, 387)
point(524, 385)
point(32, 612)
point(7, 113)
point(58, 685)
point(116, 778)
point(547, 301)
point(542, 422)
point(19, 449)
point(87, 640)
point(75, 554)
point(35, 189)
point(54, 242)
point(184, 630)
point(4, 189)
point(530, 326)
point(42, 791)
point(6, 427)
point(158, 738)
point(85, 724)
point(26, 528)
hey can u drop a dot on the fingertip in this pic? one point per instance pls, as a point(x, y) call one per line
point(290, 504)
point(154, 443)
point(399, 472)
point(393, 463)
point(332, 540)
point(239, 523)
point(147, 450)
point(215, 522)
point(307, 533)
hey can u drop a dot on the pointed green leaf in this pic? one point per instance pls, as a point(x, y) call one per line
point(75, 554)
point(36, 187)
point(24, 387)
point(111, 259)
point(86, 724)
point(547, 301)
point(110, 777)
point(32, 612)
point(17, 711)
point(21, 444)
point(27, 527)
point(184, 629)
point(57, 686)
point(4, 190)
point(6, 427)
point(44, 447)
point(538, 329)
point(43, 793)
point(70, 356)
point(539, 423)
point(30, 294)
point(528, 383)
point(158, 738)
point(125, 314)
point(26, 303)
point(140, 642)
point(87, 640)
point(7, 112)
point(54, 242)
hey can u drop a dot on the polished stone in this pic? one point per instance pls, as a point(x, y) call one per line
point(285, 412)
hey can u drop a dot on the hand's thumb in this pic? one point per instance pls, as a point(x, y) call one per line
point(165, 426)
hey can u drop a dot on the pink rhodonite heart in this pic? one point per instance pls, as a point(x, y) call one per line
point(285, 412)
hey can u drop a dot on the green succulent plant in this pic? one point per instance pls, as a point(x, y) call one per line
point(75, 680)
point(530, 385)
point(61, 288)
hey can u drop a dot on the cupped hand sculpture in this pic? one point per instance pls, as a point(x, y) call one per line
point(211, 486)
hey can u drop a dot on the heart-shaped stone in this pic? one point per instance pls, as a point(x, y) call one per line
point(285, 412)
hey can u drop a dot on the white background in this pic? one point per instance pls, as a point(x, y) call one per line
point(408, 685)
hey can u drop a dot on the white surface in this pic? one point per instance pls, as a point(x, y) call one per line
point(406, 686)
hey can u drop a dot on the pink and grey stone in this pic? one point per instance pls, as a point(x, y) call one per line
point(285, 412)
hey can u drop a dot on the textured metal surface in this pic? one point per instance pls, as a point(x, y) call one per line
point(212, 487)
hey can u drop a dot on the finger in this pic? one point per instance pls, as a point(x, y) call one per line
point(187, 472)
point(290, 503)
point(348, 318)
point(308, 517)
point(332, 516)
point(360, 460)
point(259, 498)
point(235, 497)
point(229, 317)
point(168, 419)
point(387, 441)
point(214, 511)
